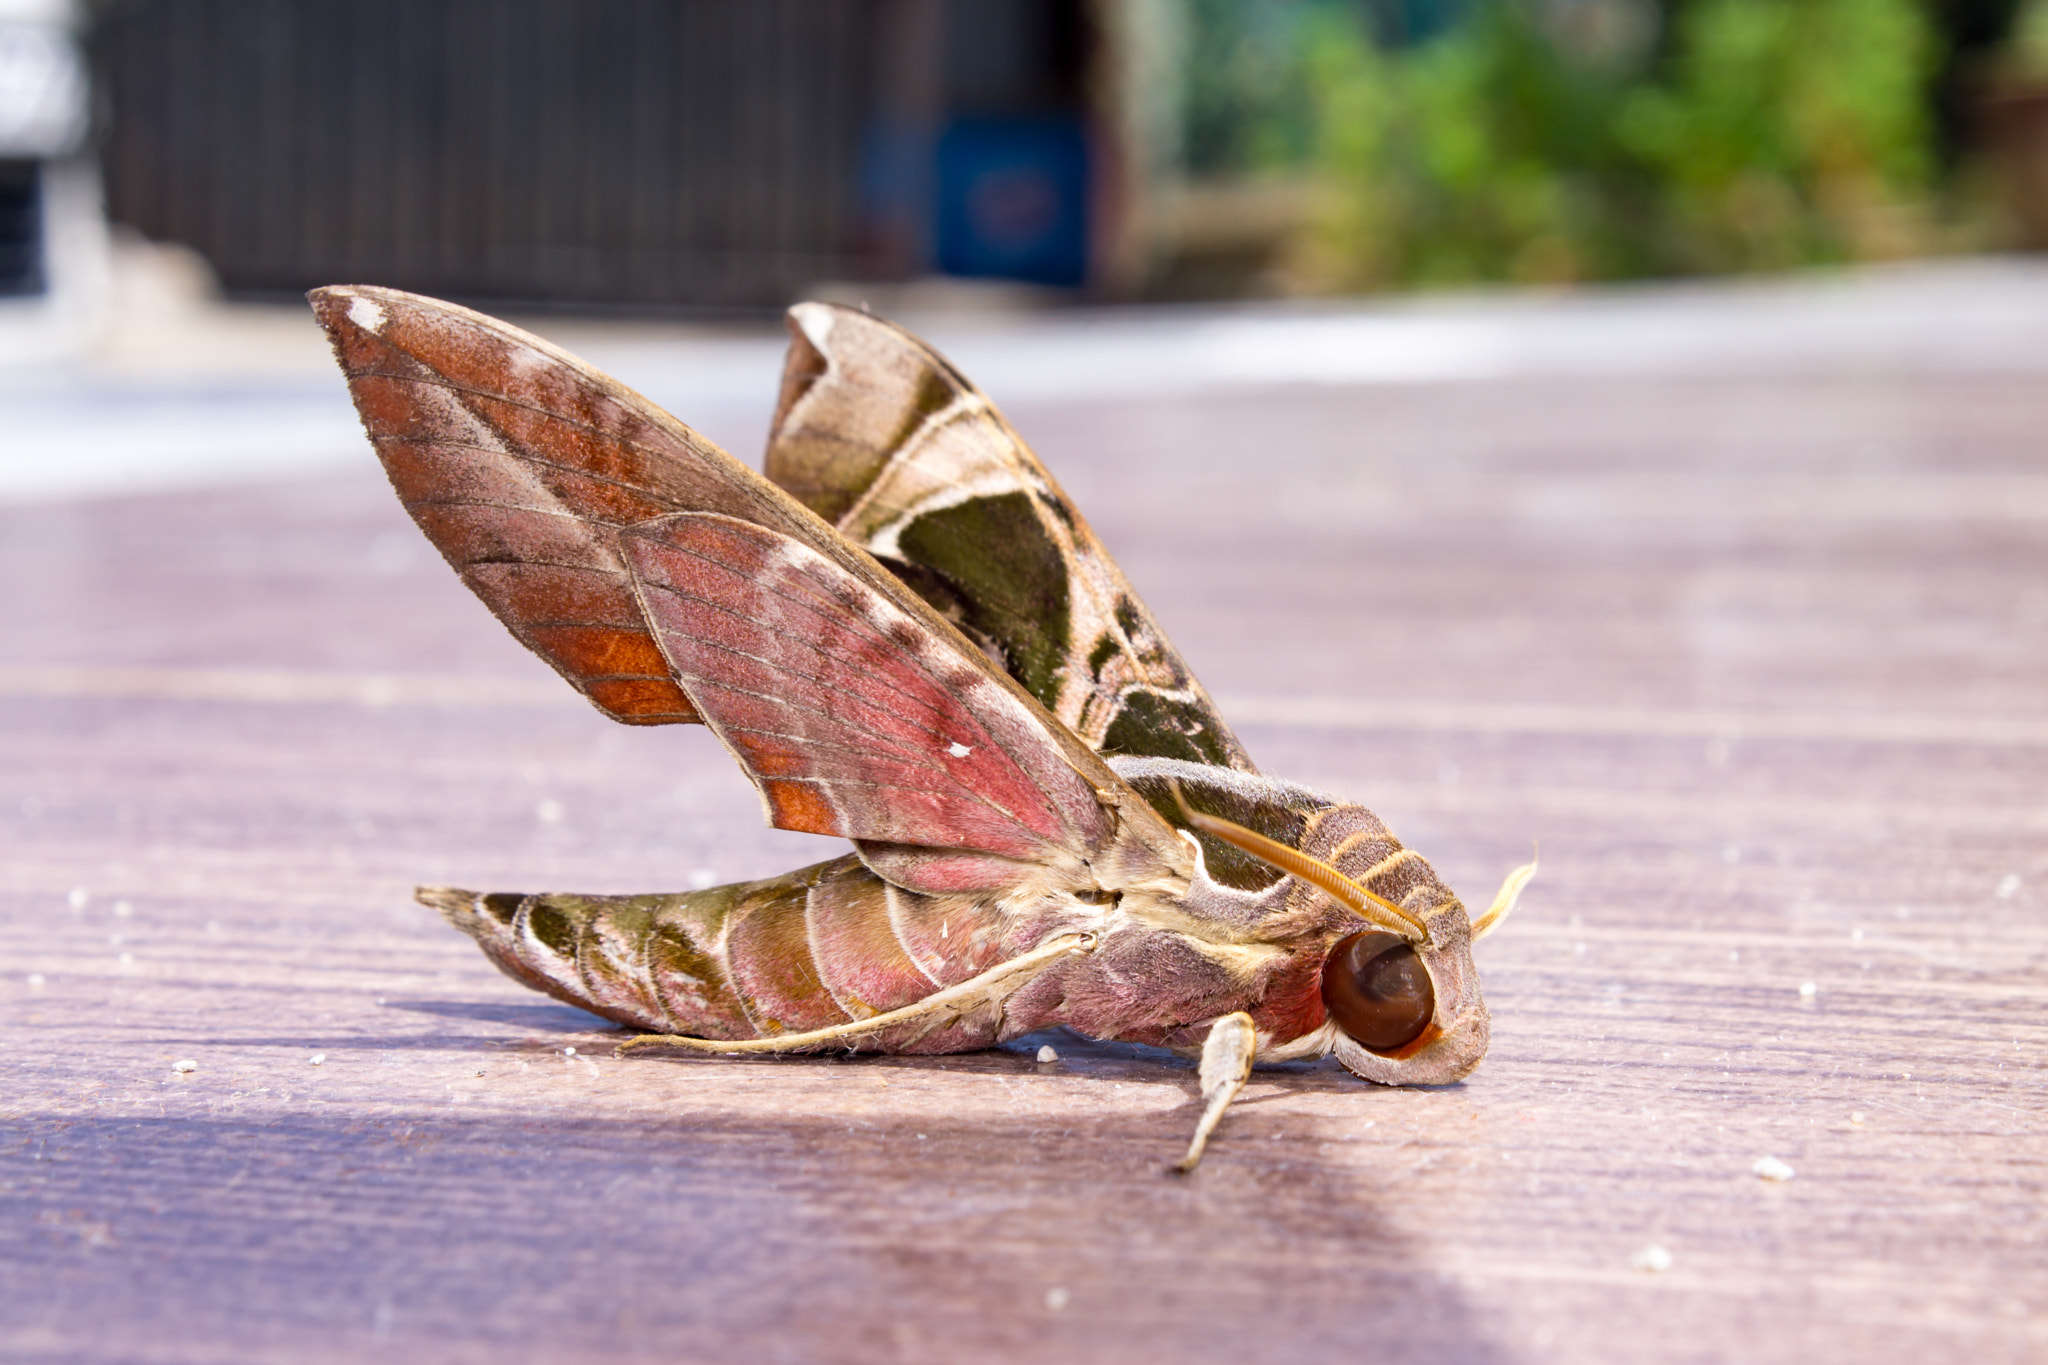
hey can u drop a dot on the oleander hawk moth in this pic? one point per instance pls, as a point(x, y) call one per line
point(909, 638)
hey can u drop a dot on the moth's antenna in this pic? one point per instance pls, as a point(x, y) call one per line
point(1317, 873)
point(1504, 902)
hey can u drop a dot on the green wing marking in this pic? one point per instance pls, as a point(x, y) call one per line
point(876, 433)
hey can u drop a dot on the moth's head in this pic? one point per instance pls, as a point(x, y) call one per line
point(1406, 1007)
point(1399, 988)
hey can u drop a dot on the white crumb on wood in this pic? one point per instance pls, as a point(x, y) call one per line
point(1652, 1258)
point(184, 1065)
point(317, 1058)
point(366, 314)
point(1857, 1118)
point(1046, 1054)
point(1770, 1168)
point(35, 979)
point(1808, 989)
point(1056, 1298)
point(959, 750)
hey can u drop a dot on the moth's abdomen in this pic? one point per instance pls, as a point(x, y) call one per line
point(815, 947)
point(652, 962)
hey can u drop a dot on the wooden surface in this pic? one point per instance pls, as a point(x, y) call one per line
point(1762, 662)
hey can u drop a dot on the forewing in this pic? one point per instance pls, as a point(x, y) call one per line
point(538, 477)
point(852, 716)
point(878, 434)
point(517, 461)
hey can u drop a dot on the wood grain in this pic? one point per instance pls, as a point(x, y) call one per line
point(1762, 663)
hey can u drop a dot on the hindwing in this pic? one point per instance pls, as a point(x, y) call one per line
point(880, 435)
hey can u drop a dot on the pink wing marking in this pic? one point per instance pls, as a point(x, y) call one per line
point(944, 871)
point(845, 710)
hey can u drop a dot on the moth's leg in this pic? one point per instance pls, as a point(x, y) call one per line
point(1226, 1066)
point(992, 987)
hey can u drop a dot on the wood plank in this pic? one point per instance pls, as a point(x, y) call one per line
point(1762, 663)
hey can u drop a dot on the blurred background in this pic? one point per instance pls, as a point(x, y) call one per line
point(175, 173)
point(735, 154)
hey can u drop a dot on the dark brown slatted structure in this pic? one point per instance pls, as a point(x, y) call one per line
point(646, 152)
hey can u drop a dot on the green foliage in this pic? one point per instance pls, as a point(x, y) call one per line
point(1758, 134)
point(1244, 106)
point(2028, 49)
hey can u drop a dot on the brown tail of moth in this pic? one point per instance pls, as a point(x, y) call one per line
point(907, 637)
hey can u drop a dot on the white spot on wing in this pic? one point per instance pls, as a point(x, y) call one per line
point(959, 750)
point(816, 320)
point(367, 314)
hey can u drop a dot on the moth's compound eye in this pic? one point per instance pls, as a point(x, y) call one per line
point(1378, 991)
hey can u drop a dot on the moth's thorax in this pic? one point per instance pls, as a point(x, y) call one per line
point(1168, 959)
point(1234, 901)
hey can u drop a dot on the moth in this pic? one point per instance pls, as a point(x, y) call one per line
point(908, 638)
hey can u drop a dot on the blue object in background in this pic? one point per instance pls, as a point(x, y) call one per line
point(1011, 200)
